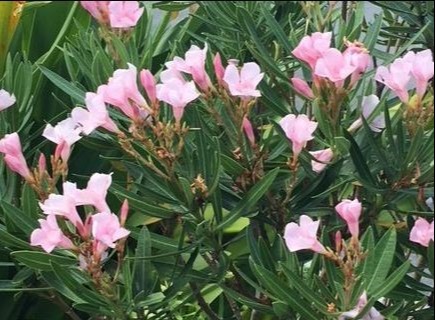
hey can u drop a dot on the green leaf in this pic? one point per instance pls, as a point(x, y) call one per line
point(74, 92)
point(392, 281)
point(252, 304)
point(19, 218)
point(41, 261)
point(279, 289)
point(9, 241)
point(250, 200)
point(381, 259)
point(137, 202)
point(372, 34)
point(29, 202)
point(144, 273)
point(430, 258)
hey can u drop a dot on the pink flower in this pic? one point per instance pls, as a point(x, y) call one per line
point(311, 48)
point(299, 130)
point(372, 314)
point(98, 9)
point(335, 66)
point(149, 84)
point(64, 134)
point(376, 124)
point(219, 69)
point(249, 130)
point(422, 69)
point(107, 229)
point(359, 58)
point(94, 194)
point(6, 99)
point(302, 88)
point(122, 92)
point(124, 14)
point(303, 236)
point(62, 205)
point(10, 145)
point(422, 232)
point(95, 116)
point(50, 236)
point(396, 77)
point(178, 94)
point(322, 158)
point(243, 83)
point(350, 211)
point(194, 64)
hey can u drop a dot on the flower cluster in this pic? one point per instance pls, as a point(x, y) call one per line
point(94, 235)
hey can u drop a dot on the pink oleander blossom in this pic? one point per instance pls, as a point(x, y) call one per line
point(299, 130)
point(422, 69)
point(178, 94)
point(94, 194)
point(322, 159)
point(6, 99)
point(335, 66)
point(122, 92)
point(350, 211)
point(98, 9)
point(243, 83)
point(311, 48)
point(49, 236)
point(64, 134)
point(303, 236)
point(396, 77)
point(10, 146)
point(107, 229)
point(62, 205)
point(124, 14)
point(422, 232)
point(359, 57)
point(94, 116)
point(194, 64)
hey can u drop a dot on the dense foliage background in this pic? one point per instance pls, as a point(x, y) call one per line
point(219, 253)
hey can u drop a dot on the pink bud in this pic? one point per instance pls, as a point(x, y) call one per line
point(350, 211)
point(249, 130)
point(218, 68)
point(10, 145)
point(42, 163)
point(302, 88)
point(124, 212)
point(149, 84)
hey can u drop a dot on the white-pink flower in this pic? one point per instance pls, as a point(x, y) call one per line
point(194, 64)
point(10, 146)
point(94, 194)
point(49, 236)
point(377, 123)
point(243, 83)
point(311, 48)
point(6, 99)
point(422, 69)
point(303, 236)
point(178, 94)
point(299, 130)
point(350, 211)
point(422, 232)
point(124, 14)
point(122, 92)
point(322, 159)
point(64, 134)
point(107, 229)
point(94, 116)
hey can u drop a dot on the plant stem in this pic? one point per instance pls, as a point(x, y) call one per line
point(203, 305)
